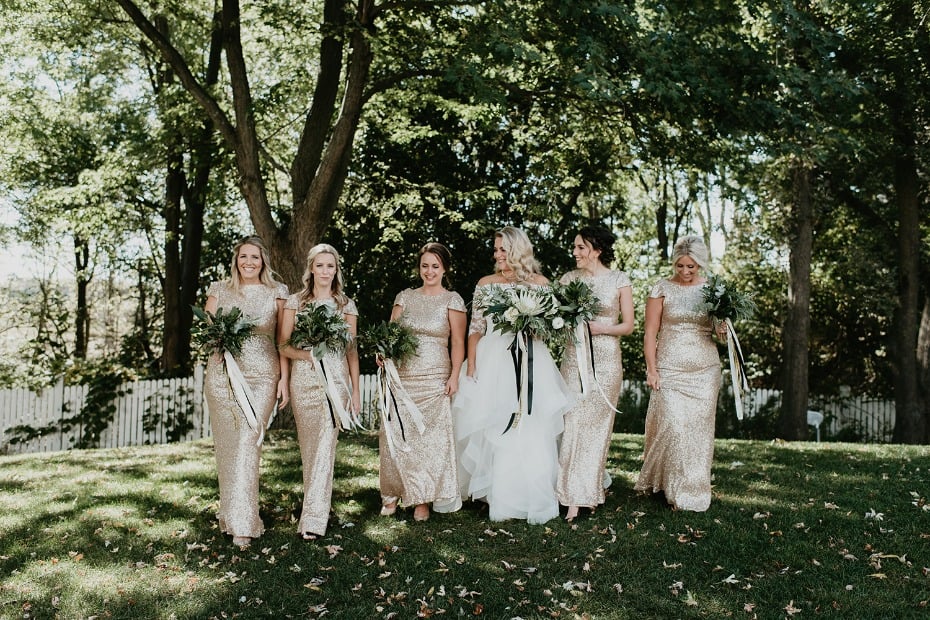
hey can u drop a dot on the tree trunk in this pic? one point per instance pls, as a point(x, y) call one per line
point(910, 417)
point(81, 311)
point(792, 423)
point(184, 224)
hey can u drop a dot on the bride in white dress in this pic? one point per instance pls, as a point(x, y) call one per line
point(509, 461)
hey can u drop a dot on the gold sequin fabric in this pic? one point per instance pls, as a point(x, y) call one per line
point(423, 468)
point(237, 455)
point(679, 438)
point(589, 423)
point(317, 432)
point(514, 470)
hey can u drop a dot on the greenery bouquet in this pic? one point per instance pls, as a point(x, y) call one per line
point(223, 334)
point(577, 302)
point(224, 331)
point(393, 343)
point(390, 340)
point(722, 300)
point(724, 303)
point(320, 328)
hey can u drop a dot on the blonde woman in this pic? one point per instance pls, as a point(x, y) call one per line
point(683, 371)
point(252, 289)
point(509, 461)
point(317, 426)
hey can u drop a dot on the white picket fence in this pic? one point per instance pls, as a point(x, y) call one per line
point(59, 402)
point(872, 419)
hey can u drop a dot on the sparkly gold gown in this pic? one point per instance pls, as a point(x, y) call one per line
point(589, 424)
point(317, 432)
point(423, 468)
point(237, 455)
point(679, 438)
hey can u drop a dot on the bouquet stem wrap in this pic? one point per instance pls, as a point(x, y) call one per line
point(243, 394)
point(584, 357)
point(523, 374)
point(390, 389)
point(341, 417)
point(737, 368)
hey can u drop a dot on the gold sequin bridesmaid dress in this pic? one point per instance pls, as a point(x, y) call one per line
point(317, 428)
point(679, 437)
point(590, 422)
point(422, 469)
point(237, 453)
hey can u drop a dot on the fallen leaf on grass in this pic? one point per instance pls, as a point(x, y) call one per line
point(879, 576)
point(332, 550)
point(790, 609)
point(731, 579)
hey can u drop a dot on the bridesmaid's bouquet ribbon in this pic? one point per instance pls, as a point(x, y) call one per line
point(393, 342)
point(223, 333)
point(321, 329)
point(724, 303)
point(587, 370)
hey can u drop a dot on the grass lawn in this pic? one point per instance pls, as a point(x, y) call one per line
point(795, 530)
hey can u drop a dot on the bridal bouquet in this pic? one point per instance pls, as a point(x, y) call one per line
point(320, 328)
point(390, 340)
point(529, 309)
point(224, 331)
point(577, 302)
point(722, 300)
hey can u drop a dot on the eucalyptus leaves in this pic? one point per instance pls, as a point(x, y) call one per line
point(320, 328)
point(222, 331)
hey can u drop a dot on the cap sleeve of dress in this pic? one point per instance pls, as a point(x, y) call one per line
point(292, 303)
point(401, 298)
point(215, 288)
point(456, 302)
point(567, 277)
point(350, 308)
point(281, 291)
point(623, 280)
point(658, 289)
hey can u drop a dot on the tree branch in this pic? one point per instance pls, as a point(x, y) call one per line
point(174, 58)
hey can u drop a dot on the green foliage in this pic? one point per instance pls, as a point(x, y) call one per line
point(390, 340)
point(172, 412)
point(577, 302)
point(320, 328)
point(724, 300)
point(227, 330)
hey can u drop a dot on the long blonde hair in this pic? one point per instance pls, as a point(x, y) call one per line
point(519, 253)
point(306, 295)
point(264, 276)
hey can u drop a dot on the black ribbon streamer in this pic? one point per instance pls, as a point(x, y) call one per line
point(516, 354)
point(400, 421)
point(591, 350)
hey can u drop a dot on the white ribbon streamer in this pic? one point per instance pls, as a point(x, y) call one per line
point(586, 372)
point(389, 384)
point(345, 419)
point(243, 395)
point(737, 378)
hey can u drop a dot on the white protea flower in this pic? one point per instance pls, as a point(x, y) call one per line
point(527, 302)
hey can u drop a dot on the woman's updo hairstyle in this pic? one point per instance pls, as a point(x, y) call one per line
point(693, 246)
point(602, 240)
